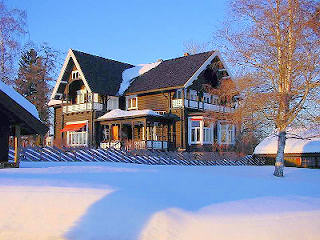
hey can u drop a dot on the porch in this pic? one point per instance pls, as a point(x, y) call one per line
point(138, 129)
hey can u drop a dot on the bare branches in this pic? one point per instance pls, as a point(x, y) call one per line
point(12, 27)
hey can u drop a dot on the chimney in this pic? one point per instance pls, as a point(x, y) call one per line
point(186, 54)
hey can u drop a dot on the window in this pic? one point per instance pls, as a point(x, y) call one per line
point(75, 74)
point(78, 138)
point(195, 131)
point(178, 94)
point(81, 96)
point(200, 131)
point(226, 133)
point(133, 103)
point(207, 133)
point(193, 95)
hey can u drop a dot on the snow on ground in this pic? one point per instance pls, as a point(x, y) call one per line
point(129, 74)
point(128, 201)
point(18, 98)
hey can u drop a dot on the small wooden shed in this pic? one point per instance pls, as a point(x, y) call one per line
point(17, 117)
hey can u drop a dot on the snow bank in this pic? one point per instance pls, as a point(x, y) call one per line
point(18, 98)
point(72, 200)
point(118, 113)
point(129, 74)
point(298, 141)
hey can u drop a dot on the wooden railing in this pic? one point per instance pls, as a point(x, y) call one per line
point(83, 107)
point(178, 103)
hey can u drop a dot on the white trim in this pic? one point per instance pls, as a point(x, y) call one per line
point(63, 69)
point(77, 122)
point(87, 133)
point(203, 67)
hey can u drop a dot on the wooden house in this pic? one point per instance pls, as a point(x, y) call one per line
point(18, 117)
point(162, 105)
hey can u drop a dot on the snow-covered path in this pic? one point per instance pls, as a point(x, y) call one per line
point(126, 201)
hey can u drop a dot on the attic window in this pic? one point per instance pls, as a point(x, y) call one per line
point(75, 75)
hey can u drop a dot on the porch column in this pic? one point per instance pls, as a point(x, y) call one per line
point(132, 135)
point(4, 139)
point(145, 134)
point(162, 125)
point(17, 145)
point(151, 132)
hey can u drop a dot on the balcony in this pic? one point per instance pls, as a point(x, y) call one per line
point(178, 103)
point(83, 107)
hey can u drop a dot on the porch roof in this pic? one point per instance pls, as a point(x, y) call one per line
point(118, 113)
point(121, 114)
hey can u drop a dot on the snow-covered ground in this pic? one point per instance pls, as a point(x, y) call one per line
point(126, 201)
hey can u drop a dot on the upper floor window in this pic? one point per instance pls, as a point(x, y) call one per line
point(75, 74)
point(226, 133)
point(178, 94)
point(133, 103)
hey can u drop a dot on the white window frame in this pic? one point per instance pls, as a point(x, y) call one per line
point(203, 131)
point(75, 74)
point(230, 133)
point(129, 103)
point(82, 137)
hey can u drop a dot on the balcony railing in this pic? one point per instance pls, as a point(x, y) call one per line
point(83, 107)
point(178, 103)
point(140, 144)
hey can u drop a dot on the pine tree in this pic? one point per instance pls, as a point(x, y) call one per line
point(34, 77)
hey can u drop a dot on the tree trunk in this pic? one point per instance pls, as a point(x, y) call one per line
point(279, 165)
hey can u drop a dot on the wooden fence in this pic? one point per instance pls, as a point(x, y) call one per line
point(53, 154)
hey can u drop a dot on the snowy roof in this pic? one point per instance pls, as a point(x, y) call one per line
point(129, 74)
point(298, 141)
point(19, 99)
point(118, 113)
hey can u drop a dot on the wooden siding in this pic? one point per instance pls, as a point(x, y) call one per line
point(158, 102)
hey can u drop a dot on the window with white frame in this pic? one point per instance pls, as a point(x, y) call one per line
point(200, 131)
point(75, 74)
point(207, 132)
point(81, 96)
point(206, 98)
point(226, 133)
point(195, 131)
point(78, 138)
point(132, 103)
point(193, 95)
point(178, 94)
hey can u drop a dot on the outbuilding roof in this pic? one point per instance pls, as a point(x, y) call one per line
point(298, 141)
point(19, 110)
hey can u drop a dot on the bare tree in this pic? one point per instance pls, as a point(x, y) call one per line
point(12, 27)
point(194, 47)
point(279, 50)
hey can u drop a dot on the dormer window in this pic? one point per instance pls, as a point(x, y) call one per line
point(132, 103)
point(75, 74)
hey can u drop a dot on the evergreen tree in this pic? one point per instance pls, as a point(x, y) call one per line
point(34, 77)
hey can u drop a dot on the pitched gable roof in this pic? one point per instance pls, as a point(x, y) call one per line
point(170, 73)
point(103, 75)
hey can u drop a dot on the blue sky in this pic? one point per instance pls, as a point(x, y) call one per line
point(136, 31)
